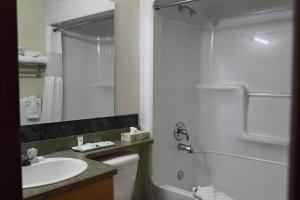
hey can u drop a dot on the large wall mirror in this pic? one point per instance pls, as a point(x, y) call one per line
point(66, 60)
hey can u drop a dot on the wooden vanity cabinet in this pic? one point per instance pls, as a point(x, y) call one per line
point(103, 190)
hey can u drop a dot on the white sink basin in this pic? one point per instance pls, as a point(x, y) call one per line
point(51, 170)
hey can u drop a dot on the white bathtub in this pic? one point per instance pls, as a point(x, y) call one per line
point(226, 172)
point(168, 192)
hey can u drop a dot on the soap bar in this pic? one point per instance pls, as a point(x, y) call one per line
point(131, 137)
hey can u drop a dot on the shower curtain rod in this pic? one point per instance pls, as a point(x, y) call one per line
point(158, 7)
point(57, 28)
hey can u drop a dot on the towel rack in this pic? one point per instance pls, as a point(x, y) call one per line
point(265, 94)
point(33, 70)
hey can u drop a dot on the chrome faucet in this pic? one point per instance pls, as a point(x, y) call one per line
point(30, 158)
point(184, 147)
point(25, 161)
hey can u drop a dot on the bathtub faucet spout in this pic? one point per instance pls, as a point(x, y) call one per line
point(184, 147)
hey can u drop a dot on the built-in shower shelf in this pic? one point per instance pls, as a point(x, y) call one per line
point(104, 85)
point(241, 100)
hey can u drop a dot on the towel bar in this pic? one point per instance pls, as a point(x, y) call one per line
point(31, 70)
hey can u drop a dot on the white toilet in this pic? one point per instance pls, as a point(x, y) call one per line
point(124, 180)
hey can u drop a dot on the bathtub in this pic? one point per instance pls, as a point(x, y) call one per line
point(167, 186)
point(168, 192)
point(226, 172)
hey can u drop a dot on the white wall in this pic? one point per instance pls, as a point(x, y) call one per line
point(191, 67)
point(146, 64)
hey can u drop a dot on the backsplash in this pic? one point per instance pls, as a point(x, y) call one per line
point(47, 131)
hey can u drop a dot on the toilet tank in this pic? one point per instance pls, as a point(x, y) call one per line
point(124, 181)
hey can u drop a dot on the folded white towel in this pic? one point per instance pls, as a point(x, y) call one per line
point(209, 193)
point(32, 57)
point(32, 104)
point(36, 60)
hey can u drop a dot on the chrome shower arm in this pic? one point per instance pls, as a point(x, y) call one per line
point(158, 7)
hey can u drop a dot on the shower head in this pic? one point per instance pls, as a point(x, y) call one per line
point(191, 11)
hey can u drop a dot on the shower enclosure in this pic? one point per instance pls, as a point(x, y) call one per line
point(223, 68)
point(88, 69)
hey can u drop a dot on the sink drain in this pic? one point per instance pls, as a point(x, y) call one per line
point(180, 175)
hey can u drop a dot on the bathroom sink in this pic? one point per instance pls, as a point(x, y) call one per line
point(51, 170)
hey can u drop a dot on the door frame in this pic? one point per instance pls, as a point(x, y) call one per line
point(10, 179)
point(294, 172)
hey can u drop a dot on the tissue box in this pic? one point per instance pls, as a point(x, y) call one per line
point(131, 137)
point(127, 137)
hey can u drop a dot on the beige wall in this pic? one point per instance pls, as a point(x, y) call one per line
point(63, 10)
point(30, 37)
point(127, 57)
point(31, 86)
point(30, 29)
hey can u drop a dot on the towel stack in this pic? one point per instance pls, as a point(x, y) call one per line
point(32, 104)
point(32, 57)
point(30, 108)
point(209, 193)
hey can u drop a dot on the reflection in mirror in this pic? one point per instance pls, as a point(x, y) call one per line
point(66, 62)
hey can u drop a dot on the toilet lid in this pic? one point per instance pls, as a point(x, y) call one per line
point(122, 160)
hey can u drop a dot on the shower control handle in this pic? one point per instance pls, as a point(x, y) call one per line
point(184, 132)
point(180, 132)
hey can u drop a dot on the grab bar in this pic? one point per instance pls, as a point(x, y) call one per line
point(242, 157)
point(263, 94)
